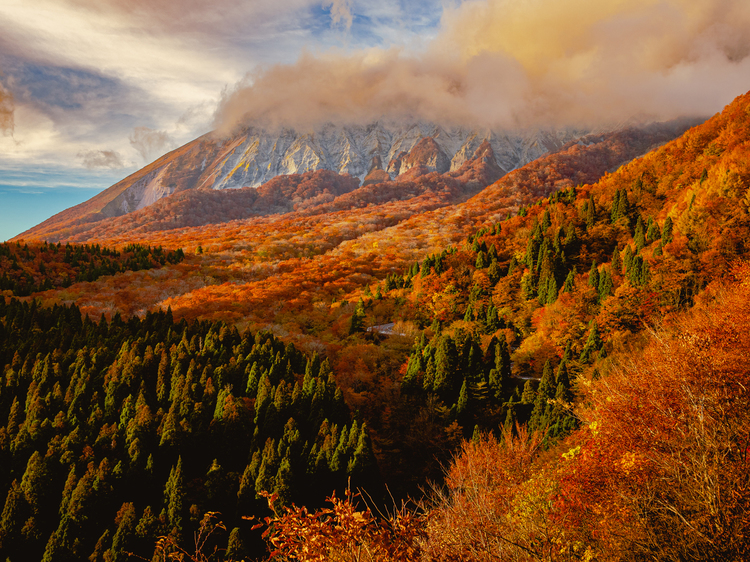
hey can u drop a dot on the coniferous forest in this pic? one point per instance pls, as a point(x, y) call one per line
point(120, 432)
point(559, 376)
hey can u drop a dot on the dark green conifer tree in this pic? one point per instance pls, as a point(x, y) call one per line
point(666, 231)
point(462, 405)
point(616, 262)
point(570, 281)
point(546, 220)
point(594, 276)
point(551, 290)
point(446, 360)
point(529, 394)
point(640, 236)
point(606, 285)
point(126, 522)
point(235, 547)
point(481, 261)
point(623, 207)
point(545, 392)
point(358, 318)
point(627, 259)
point(592, 345)
point(590, 213)
point(174, 497)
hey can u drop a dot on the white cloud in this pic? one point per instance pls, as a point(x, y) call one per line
point(509, 63)
point(150, 144)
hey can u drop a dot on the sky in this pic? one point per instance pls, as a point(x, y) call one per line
point(92, 90)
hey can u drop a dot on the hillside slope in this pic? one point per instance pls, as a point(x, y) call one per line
point(536, 310)
point(253, 156)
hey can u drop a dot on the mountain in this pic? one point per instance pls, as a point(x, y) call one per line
point(377, 152)
point(597, 294)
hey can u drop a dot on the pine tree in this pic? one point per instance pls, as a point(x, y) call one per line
point(265, 481)
point(570, 281)
point(527, 286)
point(446, 358)
point(462, 405)
point(492, 321)
point(666, 231)
point(640, 235)
point(126, 521)
point(510, 419)
point(616, 261)
point(174, 497)
point(606, 285)
point(546, 220)
point(623, 206)
point(529, 394)
point(235, 547)
point(627, 259)
point(357, 321)
point(561, 375)
point(413, 370)
point(362, 462)
point(11, 518)
point(593, 343)
point(544, 393)
point(469, 315)
point(481, 261)
point(594, 276)
point(590, 213)
point(653, 232)
point(34, 482)
point(284, 482)
point(551, 290)
point(147, 526)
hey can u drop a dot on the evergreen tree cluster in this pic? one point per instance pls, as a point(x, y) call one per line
point(29, 269)
point(114, 434)
point(474, 384)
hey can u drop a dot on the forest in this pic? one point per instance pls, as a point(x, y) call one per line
point(565, 377)
point(124, 431)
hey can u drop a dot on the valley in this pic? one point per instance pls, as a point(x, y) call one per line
point(538, 313)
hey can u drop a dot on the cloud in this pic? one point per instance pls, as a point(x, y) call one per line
point(509, 64)
point(6, 111)
point(101, 159)
point(341, 12)
point(150, 144)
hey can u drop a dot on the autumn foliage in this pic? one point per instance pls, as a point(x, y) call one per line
point(571, 343)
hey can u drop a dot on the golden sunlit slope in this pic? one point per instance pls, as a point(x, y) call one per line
point(359, 236)
point(547, 319)
point(637, 245)
point(175, 171)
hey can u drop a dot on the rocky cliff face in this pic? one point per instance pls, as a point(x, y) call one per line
point(255, 156)
point(370, 153)
point(258, 155)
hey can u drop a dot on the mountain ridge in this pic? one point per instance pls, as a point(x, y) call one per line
point(255, 156)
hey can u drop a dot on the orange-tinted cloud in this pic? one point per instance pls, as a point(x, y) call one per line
point(6, 111)
point(341, 12)
point(507, 63)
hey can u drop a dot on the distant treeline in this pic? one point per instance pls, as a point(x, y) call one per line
point(26, 269)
